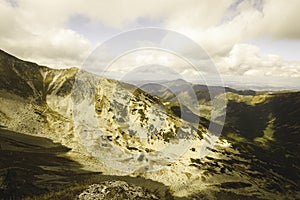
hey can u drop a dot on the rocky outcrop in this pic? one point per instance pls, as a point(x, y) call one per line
point(116, 190)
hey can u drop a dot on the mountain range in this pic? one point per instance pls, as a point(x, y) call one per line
point(58, 124)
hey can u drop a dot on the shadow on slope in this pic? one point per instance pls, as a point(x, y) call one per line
point(33, 166)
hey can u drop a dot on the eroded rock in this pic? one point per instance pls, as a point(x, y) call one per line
point(115, 190)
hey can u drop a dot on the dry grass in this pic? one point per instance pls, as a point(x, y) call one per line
point(66, 194)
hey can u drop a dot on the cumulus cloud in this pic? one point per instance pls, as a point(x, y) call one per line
point(245, 59)
point(38, 35)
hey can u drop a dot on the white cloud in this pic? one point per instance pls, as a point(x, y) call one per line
point(38, 30)
point(245, 59)
point(277, 20)
point(37, 34)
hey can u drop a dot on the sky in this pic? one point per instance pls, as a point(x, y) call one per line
point(253, 40)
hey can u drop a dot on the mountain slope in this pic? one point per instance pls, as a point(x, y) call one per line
point(262, 129)
point(125, 126)
point(36, 99)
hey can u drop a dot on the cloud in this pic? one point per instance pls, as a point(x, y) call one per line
point(39, 35)
point(245, 60)
point(45, 31)
point(281, 18)
point(242, 21)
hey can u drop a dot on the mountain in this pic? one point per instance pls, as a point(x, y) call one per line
point(137, 134)
point(196, 97)
point(133, 123)
point(35, 99)
point(263, 128)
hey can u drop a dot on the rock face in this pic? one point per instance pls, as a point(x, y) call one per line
point(127, 128)
point(115, 190)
